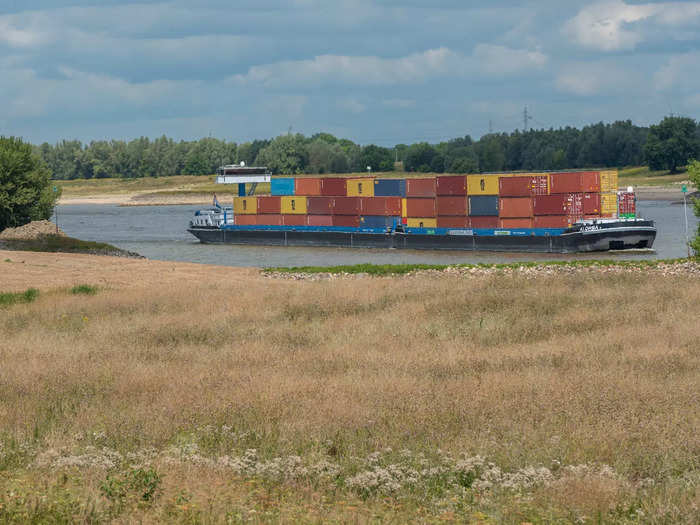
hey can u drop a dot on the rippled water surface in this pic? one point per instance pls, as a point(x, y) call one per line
point(159, 232)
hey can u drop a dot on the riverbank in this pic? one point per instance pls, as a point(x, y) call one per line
point(182, 392)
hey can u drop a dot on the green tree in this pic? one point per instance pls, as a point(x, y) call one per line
point(26, 192)
point(694, 174)
point(671, 143)
point(286, 154)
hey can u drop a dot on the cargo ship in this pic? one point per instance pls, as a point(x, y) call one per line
point(557, 212)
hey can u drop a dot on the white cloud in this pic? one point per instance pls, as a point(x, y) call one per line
point(497, 60)
point(680, 72)
point(597, 78)
point(615, 25)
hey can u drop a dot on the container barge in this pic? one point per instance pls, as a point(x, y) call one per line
point(563, 212)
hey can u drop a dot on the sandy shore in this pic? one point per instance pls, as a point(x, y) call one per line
point(20, 270)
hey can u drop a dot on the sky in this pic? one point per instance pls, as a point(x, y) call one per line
point(374, 71)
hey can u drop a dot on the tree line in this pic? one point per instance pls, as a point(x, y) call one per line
point(667, 145)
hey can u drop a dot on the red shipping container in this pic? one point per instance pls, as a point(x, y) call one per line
point(381, 205)
point(334, 186)
point(320, 220)
point(575, 182)
point(347, 206)
point(451, 185)
point(289, 219)
point(307, 186)
point(574, 204)
point(523, 186)
point(515, 223)
point(420, 208)
point(511, 207)
point(552, 221)
point(348, 221)
point(549, 205)
point(451, 205)
point(453, 222)
point(269, 220)
point(484, 222)
point(591, 203)
point(421, 188)
point(319, 205)
point(269, 204)
point(245, 220)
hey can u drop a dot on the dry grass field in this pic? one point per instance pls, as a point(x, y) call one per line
point(183, 393)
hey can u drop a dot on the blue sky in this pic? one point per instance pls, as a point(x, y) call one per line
point(382, 71)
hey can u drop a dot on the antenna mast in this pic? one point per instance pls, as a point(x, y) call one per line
point(526, 119)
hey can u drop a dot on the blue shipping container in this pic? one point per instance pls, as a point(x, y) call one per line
point(483, 206)
point(390, 187)
point(282, 186)
point(379, 221)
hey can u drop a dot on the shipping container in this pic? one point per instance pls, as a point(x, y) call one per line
point(267, 204)
point(293, 205)
point(282, 186)
point(453, 222)
point(319, 205)
point(245, 205)
point(608, 204)
point(484, 222)
point(574, 182)
point(403, 208)
point(421, 187)
point(483, 205)
point(269, 220)
point(482, 184)
point(390, 187)
point(379, 221)
point(627, 208)
point(523, 186)
point(360, 187)
point(246, 220)
point(420, 207)
point(422, 222)
point(334, 186)
point(451, 185)
point(591, 204)
point(451, 205)
point(609, 181)
point(319, 220)
point(574, 204)
point(381, 205)
point(515, 207)
point(308, 186)
point(347, 206)
point(549, 205)
point(551, 221)
point(347, 221)
point(525, 222)
point(293, 220)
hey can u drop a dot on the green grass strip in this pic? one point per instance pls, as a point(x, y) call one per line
point(397, 269)
point(85, 289)
point(10, 298)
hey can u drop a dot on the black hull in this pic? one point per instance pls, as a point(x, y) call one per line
point(580, 241)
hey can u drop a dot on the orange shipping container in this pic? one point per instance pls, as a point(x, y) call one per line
point(320, 220)
point(484, 222)
point(453, 222)
point(293, 220)
point(269, 204)
point(591, 204)
point(269, 220)
point(245, 220)
point(307, 186)
point(420, 207)
point(511, 207)
point(451, 205)
point(515, 223)
point(420, 187)
point(551, 221)
point(381, 206)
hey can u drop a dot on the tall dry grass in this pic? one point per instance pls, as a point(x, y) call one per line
point(561, 371)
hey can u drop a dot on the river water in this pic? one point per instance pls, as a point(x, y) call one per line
point(159, 232)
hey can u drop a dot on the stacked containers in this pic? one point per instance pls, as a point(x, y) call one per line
point(608, 193)
point(418, 208)
point(574, 196)
point(451, 202)
point(294, 211)
point(627, 205)
point(482, 191)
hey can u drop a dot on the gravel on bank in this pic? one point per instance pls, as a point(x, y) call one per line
point(690, 268)
point(31, 231)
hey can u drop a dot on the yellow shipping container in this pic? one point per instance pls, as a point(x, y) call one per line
point(608, 181)
point(293, 205)
point(360, 187)
point(608, 204)
point(422, 223)
point(245, 205)
point(404, 213)
point(482, 184)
